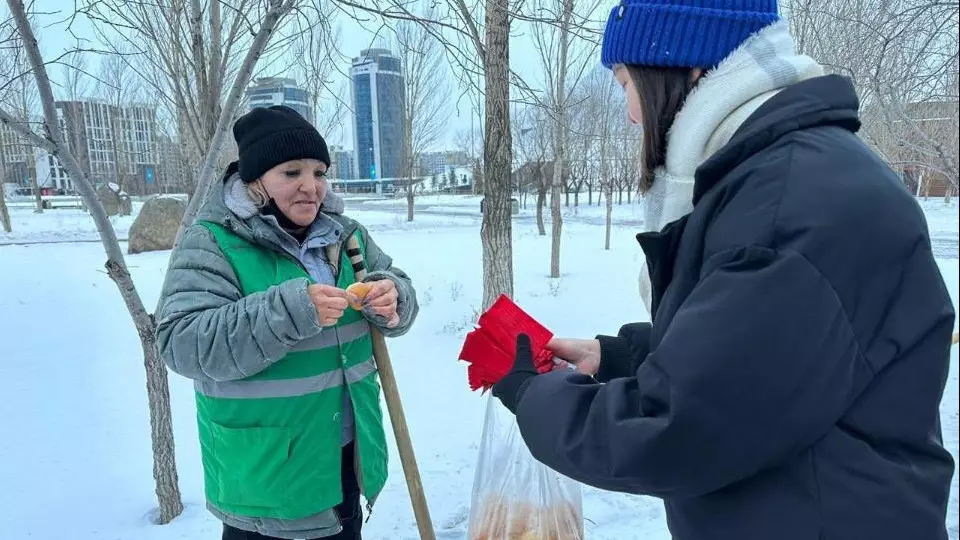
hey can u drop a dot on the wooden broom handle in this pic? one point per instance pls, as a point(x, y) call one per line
point(410, 470)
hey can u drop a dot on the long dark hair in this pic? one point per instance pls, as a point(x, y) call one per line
point(662, 94)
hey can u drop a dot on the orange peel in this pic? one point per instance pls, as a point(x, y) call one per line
point(359, 291)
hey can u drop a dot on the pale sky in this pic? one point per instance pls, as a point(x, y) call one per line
point(355, 36)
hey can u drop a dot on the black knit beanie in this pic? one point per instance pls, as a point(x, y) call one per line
point(267, 137)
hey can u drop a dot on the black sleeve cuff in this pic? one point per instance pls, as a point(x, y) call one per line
point(621, 356)
point(509, 390)
point(616, 358)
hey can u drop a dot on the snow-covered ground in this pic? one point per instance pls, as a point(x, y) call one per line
point(75, 454)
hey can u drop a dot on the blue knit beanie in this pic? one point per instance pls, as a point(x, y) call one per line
point(682, 33)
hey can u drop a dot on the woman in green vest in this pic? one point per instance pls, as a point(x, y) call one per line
point(254, 310)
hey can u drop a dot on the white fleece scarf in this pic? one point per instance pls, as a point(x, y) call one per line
point(723, 99)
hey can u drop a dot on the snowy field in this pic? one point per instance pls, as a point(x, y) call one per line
point(75, 455)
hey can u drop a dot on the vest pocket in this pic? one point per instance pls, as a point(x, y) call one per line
point(251, 465)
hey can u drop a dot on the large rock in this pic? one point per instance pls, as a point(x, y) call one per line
point(115, 201)
point(155, 228)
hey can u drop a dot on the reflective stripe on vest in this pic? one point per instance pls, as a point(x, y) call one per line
point(252, 389)
point(332, 336)
point(258, 388)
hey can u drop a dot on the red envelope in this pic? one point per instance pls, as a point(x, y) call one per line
point(491, 348)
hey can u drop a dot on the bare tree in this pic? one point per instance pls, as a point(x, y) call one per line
point(530, 145)
point(190, 52)
point(604, 121)
point(607, 147)
point(586, 144)
point(476, 38)
point(902, 55)
point(564, 63)
point(583, 146)
point(77, 82)
point(579, 167)
point(7, 73)
point(425, 96)
point(184, 51)
point(77, 86)
point(496, 229)
point(202, 65)
point(470, 142)
point(165, 472)
point(4, 212)
point(19, 95)
point(119, 86)
point(173, 161)
point(315, 55)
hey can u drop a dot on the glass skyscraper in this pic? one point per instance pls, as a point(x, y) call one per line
point(378, 114)
point(268, 91)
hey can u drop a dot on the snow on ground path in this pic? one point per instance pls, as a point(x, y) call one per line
point(78, 454)
point(430, 211)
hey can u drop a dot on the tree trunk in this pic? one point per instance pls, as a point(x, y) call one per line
point(410, 199)
point(590, 194)
point(608, 220)
point(576, 197)
point(556, 225)
point(607, 185)
point(541, 202)
point(115, 147)
point(560, 138)
point(496, 231)
point(158, 398)
point(38, 199)
point(4, 212)
point(165, 473)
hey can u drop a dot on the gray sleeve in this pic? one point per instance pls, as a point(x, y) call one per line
point(208, 331)
point(380, 266)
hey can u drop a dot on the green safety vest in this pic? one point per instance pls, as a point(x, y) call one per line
point(271, 443)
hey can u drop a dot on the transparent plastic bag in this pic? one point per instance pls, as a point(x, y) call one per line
point(515, 497)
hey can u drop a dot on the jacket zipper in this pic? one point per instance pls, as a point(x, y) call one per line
point(357, 467)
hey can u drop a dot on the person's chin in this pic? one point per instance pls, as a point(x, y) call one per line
point(304, 217)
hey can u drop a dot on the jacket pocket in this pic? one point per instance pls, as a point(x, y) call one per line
point(250, 465)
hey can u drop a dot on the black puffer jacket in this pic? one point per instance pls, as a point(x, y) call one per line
point(789, 386)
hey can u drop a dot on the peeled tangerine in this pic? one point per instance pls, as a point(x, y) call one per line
point(501, 520)
point(359, 291)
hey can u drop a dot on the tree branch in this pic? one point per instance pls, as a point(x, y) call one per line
point(205, 179)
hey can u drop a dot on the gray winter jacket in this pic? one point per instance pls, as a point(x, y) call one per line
point(208, 331)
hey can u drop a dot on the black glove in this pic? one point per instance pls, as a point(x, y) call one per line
point(511, 387)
